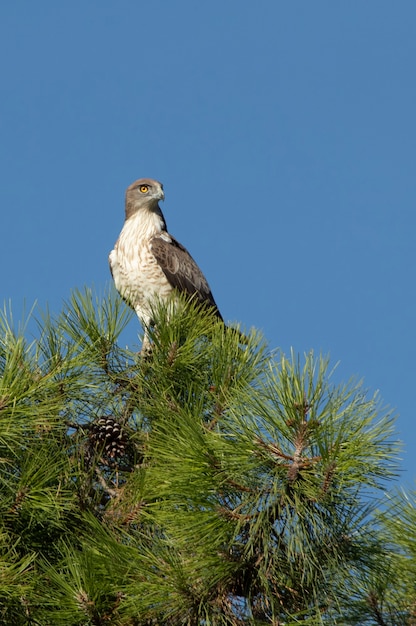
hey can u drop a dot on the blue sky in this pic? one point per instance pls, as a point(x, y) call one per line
point(284, 134)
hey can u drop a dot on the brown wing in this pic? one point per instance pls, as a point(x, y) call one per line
point(181, 270)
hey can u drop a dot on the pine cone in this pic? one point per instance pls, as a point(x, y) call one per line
point(107, 433)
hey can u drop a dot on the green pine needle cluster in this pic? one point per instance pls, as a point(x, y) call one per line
point(211, 482)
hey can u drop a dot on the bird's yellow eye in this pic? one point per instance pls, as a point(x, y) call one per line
point(144, 188)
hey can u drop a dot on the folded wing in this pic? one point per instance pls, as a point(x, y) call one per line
point(181, 270)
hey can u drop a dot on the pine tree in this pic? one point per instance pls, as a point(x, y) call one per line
point(211, 483)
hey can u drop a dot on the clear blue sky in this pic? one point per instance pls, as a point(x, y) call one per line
point(284, 134)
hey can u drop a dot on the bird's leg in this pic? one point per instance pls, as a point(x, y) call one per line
point(147, 348)
point(146, 322)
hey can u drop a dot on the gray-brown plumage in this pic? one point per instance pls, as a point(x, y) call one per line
point(147, 263)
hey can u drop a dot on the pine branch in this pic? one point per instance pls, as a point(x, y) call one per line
point(211, 483)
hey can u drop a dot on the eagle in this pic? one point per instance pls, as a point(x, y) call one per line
point(147, 264)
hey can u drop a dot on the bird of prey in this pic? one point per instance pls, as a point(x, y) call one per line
point(148, 264)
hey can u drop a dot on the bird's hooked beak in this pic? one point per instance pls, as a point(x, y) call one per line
point(161, 194)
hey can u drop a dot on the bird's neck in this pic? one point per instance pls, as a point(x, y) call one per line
point(146, 223)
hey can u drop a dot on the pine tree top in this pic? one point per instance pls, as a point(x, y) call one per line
point(213, 482)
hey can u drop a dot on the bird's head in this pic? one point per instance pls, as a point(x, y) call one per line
point(144, 193)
